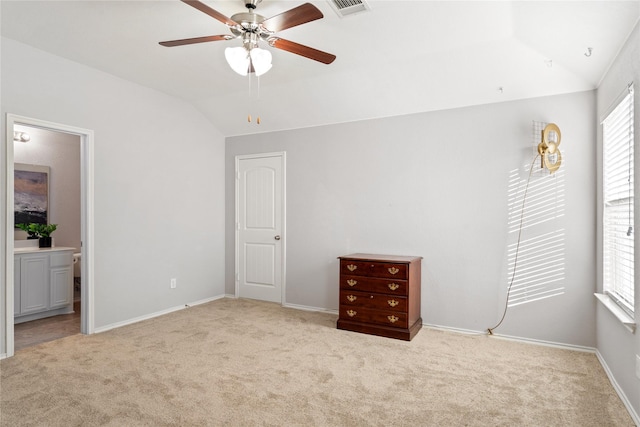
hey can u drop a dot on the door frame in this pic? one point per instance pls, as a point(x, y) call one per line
point(283, 163)
point(87, 317)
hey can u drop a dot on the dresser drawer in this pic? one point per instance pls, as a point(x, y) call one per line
point(368, 284)
point(373, 269)
point(381, 317)
point(380, 295)
point(372, 300)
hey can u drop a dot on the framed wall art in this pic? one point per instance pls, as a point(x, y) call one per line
point(31, 194)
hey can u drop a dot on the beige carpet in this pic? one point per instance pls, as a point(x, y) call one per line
point(247, 363)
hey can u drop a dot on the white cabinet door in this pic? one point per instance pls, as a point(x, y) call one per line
point(34, 281)
point(61, 285)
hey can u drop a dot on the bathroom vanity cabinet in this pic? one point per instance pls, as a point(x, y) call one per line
point(42, 283)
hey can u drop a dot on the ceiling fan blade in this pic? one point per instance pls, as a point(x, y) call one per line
point(211, 12)
point(172, 43)
point(299, 49)
point(296, 16)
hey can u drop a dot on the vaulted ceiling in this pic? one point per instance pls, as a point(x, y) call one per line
point(399, 57)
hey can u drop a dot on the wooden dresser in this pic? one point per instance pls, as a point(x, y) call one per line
point(380, 295)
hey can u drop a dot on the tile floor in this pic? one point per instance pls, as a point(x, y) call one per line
point(28, 334)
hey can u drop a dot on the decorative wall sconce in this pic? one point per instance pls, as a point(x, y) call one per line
point(548, 148)
point(21, 137)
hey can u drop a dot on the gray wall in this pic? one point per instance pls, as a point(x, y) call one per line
point(436, 185)
point(617, 346)
point(61, 153)
point(159, 181)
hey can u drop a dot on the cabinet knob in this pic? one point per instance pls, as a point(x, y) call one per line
point(392, 319)
point(351, 313)
point(352, 282)
point(393, 286)
point(277, 237)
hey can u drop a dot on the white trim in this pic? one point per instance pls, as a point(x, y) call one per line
point(87, 232)
point(618, 389)
point(310, 308)
point(456, 330)
point(236, 172)
point(516, 339)
point(156, 314)
point(626, 320)
point(544, 343)
point(9, 234)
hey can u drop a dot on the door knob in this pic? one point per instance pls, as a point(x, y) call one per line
point(277, 237)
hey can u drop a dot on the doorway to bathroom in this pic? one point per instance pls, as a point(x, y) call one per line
point(65, 153)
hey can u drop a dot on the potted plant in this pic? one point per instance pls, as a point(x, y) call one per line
point(44, 234)
point(30, 228)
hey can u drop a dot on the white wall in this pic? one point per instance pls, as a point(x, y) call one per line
point(159, 188)
point(61, 153)
point(435, 185)
point(618, 346)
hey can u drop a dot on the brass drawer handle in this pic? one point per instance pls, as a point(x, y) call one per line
point(393, 302)
point(351, 313)
point(393, 286)
point(352, 282)
point(393, 270)
point(392, 319)
point(352, 298)
point(351, 267)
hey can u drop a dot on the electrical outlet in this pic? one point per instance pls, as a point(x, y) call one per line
point(638, 366)
point(174, 283)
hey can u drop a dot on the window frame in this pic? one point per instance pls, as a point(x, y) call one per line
point(618, 194)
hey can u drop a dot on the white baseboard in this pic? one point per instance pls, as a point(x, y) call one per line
point(309, 308)
point(618, 389)
point(297, 306)
point(516, 339)
point(450, 329)
point(156, 314)
point(3, 356)
point(547, 343)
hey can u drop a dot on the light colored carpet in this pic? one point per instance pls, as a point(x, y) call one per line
point(248, 363)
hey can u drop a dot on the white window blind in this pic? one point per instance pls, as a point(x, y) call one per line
point(618, 231)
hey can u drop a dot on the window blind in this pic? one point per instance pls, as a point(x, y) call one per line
point(618, 189)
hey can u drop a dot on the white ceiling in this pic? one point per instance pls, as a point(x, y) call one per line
point(401, 57)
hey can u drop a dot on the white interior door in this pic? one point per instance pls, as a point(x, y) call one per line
point(260, 227)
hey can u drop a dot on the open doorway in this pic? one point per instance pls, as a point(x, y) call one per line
point(65, 154)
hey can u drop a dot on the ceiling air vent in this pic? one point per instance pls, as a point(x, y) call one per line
point(348, 7)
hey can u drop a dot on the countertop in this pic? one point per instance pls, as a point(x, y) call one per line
point(31, 249)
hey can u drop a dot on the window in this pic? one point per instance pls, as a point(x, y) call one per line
point(618, 225)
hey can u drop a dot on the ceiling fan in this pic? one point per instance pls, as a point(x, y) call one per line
point(253, 28)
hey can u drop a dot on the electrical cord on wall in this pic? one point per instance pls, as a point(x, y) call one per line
point(515, 261)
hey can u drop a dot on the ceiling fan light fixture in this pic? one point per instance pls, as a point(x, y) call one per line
point(238, 59)
point(261, 60)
